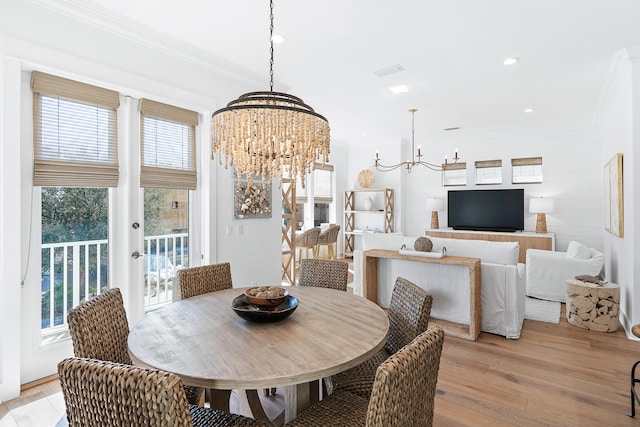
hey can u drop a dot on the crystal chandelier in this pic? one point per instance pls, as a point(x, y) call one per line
point(409, 164)
point(266, 133)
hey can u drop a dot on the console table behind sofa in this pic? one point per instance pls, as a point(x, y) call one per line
point(370, 287)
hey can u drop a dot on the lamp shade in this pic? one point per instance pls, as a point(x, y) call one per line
point(434, 204)
point(541, 205)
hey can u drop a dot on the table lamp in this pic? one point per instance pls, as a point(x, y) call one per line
point(434, 205)
point(541, 206)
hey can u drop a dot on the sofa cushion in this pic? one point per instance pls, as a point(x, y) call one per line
point(577, 250)
point(493, 252)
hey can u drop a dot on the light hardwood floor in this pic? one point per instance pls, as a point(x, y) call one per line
point(554, 375)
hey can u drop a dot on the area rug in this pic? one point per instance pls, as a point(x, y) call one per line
point(541, 310)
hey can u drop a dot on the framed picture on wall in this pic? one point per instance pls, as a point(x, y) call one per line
point(251, 200)
point(613, 196)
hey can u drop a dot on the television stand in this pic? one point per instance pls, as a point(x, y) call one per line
point(526, 240)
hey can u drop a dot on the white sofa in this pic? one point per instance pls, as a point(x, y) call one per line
point(502, 280)
point(547, 272)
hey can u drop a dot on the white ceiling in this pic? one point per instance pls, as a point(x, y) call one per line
point(451, 51)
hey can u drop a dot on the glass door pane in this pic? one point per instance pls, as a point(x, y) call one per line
point(75, 252)
point(166, 242)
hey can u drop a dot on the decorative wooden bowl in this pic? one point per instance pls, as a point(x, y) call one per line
point(266, 296)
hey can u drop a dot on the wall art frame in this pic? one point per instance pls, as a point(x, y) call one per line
point(251, 201)
point(614, 196)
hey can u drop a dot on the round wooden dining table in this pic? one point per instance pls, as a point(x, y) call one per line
point(204, 342)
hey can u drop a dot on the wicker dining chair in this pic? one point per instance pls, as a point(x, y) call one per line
point(308, 241)
point(409, 314)
point(324, 273)
point(328, 238)
point(99, 393)
point(195, 281)
point(99, 330)
point(403, 391)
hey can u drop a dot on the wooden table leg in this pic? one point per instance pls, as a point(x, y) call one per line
point(219, 399)
point(296, 400)
point(257, 411)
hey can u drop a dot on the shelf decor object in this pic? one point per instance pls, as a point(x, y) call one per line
point(269, 133)
point(541, 206)
point(409, 164)
point(366, 178)
point(434, 205)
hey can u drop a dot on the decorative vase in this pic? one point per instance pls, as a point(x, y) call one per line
point(368, 204)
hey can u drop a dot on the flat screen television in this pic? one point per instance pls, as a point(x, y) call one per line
point(486, 210)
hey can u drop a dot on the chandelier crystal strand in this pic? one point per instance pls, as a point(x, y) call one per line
point(409, 164)
point(269, 133)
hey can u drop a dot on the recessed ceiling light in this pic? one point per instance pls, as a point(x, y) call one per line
point(278, 38)
point(529, 110)
point(510, 61)
point(399, 89)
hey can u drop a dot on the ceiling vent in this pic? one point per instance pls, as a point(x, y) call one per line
point(389, 70)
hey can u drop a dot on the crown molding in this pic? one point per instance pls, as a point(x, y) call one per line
point(122, 26)
point(621, 61)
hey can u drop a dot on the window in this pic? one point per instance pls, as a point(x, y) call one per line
point(526, 170)
point(168, 153)
point(489, 172)
point(454, 174)
point(167, 173)
point(75, 139)
point(75, 163)
point(323, 183)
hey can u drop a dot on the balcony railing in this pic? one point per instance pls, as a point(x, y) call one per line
point(73, 272)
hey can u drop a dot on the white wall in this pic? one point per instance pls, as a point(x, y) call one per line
point(620, 132)
point(572, 174)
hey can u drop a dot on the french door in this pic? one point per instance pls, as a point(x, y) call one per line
point(86, 240)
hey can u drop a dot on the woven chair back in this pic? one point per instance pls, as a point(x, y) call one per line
point(409, 313)
point(330, 235)
point(324, 273)
point(99, 393)
point(99, 328)
point(405, 386)
point(195, 281)
point(308, 239)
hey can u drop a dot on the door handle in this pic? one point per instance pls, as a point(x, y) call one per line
point(135, 255)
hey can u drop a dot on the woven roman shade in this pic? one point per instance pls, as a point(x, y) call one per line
point(74, 133)
point(480, 164)
point(168, 147)
point(322, 183)
point(454, 166)
point(527, 161)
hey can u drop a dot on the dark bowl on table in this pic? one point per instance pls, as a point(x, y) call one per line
point(266, 301)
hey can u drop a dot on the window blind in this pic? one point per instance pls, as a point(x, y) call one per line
point(74, 133)
point(168, 148)
point(322, 180)
point(488, 164)
point(454, 174)
point(527, 170)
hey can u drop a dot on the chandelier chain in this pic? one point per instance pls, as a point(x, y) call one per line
point(271, 45)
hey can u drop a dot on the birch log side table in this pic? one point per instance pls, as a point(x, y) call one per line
point(593, 307)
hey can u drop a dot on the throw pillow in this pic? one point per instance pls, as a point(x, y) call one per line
point(423, 244)
point(577, 250)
